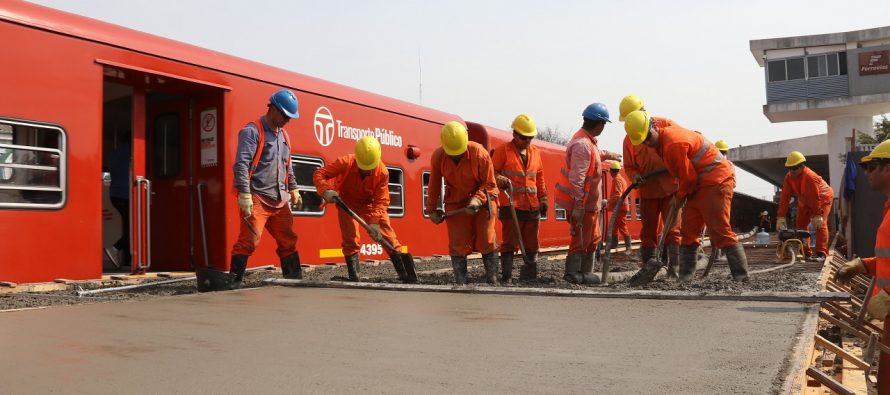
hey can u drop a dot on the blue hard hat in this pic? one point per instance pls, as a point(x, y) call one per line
point(286, 102)
point(596, 112)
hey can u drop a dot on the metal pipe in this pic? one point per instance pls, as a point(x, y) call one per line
point(201, 220)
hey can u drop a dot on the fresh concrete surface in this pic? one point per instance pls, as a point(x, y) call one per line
point(291, 340)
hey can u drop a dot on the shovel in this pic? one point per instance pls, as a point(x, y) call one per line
point(406, 259)
point(509, 193)
point(607, 255)
point(650, 269)
point(208, 278)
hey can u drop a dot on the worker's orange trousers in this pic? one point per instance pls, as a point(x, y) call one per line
point(620, 225)
point(709, 205)
point(529, 235)
point(349, 231)
point(584, 239)
point(653, 212)
point(278, 221)
point(804, 214)
point(468, 233)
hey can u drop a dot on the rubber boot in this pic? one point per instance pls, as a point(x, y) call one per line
point(646, 253)
point(587, 275)
point(673, 260)
point(490, 262)
point(399, 266)
point(507, 267)
point(352, 267)
point(687, 258)
point(628, 246)
point(613, 242)
point(529, 269)
point(237, 269)
point(290, 267)
point(573, 268)
point(737, 261)
point(459, 265)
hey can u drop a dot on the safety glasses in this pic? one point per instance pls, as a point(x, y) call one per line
point(795, 168)
point(871, 165)
point(523, 138)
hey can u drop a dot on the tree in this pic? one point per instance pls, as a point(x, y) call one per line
point(882, 132)
point(552, 135)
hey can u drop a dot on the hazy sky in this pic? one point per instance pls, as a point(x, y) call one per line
point(490, 60)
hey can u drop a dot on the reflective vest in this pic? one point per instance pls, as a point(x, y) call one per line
point(810, 190)
point(367, 195)
point(261, 140)
point(879, 265)
point(527, 181)
point(619, 184)
point(567, 190)
point(694, 160)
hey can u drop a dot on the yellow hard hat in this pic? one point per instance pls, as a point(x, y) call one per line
point(525, 125)
point(615, 165)
point(636, 124)
point(628, 105)
point(795, 158)
point(722, 145)
point(882, 151)
point(454, 138)
point(367, 153)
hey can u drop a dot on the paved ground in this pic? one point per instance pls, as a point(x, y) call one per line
point(290, 340)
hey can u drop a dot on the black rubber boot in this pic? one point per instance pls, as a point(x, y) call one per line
point(628, 246)
point(290, 267)
point(352, 267)
point(587, 261)
point(507, 267)
point(573, 268)
point(237, 269)
point(737, 261)
point(673, 260)
point(646, 253)
point(490, 262)
point(399, 266)
point(529, 269)
point(688, 255)
point(459, 265)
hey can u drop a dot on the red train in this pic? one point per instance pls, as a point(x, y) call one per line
point(73, 87)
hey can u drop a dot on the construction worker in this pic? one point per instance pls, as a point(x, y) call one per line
point(705, 188)
point(520, 171)
point(814, 198)
point(579, 191)
point(722, 146)
point(764, 221)
point(877, 168)
point(470, 193)
point(655, 193)
point(619, 184)
point(265, 182)
point(362, 182)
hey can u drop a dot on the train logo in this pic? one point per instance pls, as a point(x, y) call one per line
point(324, 126)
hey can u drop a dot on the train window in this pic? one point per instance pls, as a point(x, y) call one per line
point(425, 179)
point(396, 187)
point(559, 213)
point(637, 208)
point(304, 167)
point(32, 165)
point(167, 146)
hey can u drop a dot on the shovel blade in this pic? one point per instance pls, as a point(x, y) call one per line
point(646, 274)
point(410, 270)
point(214, 280)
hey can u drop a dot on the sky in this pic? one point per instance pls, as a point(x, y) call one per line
point(488, 61)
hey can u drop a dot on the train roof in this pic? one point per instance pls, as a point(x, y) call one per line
point(507, 135)
point(49, 19)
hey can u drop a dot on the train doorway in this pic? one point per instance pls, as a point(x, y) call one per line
point(161, 157)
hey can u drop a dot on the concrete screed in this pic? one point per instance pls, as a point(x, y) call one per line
point(291, 340)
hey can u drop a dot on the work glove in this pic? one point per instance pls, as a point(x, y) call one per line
point(849, 270)
point(543, 208)
point(781, 224)
point(296, 201)
point(609, 155)
point(474, 205)
point(329, 195)
point(817, 222)
point(245, 202)
point(374, 232)
point(503, 182)
point(638, 179)
point(437, 217)
point(879, 305)
point(577, 216)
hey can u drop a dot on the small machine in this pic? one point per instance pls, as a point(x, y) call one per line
point(791, 242)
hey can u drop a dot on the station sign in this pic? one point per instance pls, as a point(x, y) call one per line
point(874, 62)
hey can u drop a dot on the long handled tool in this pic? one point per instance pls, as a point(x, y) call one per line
point(509, 193)
point(607, 259)
point(407, 260)
point(650, 269)
point(208, 278)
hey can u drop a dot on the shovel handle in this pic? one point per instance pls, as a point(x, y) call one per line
point(342, 205)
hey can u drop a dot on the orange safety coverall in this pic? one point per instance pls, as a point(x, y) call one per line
point(367, 195)
point(879, 267)
point(655, 194)
point(580, 184)
point(529, 191)
point(471, 176)
point(619, 184)
point(705, 180)
point(814, 197)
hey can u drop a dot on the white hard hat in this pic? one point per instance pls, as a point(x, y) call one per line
point(764, 213)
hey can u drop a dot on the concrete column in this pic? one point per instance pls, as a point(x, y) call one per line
point(840, 129)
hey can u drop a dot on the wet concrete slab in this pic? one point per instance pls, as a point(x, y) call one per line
point(291, 340)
